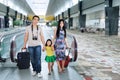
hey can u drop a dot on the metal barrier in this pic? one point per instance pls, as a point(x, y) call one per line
point(5, 44)
point(72, 43)
point(16, 45)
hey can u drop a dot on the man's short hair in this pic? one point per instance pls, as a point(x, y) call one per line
point(36, 16)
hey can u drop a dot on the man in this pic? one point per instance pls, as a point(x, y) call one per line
point(34, 37)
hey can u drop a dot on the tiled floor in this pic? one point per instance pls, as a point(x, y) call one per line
point(98, 59)
point(98, 55)
point(9, 71)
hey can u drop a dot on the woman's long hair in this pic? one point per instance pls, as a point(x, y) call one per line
point(58, 28)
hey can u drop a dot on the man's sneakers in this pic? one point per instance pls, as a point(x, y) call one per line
point(34, 73)
point(39, 75)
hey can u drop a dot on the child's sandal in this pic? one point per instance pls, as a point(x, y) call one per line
point(49, 73)
point(52, 69)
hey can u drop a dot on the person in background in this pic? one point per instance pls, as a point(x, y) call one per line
point(34, 38)
point(60, 44)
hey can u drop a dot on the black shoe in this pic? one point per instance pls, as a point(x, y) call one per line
point(52, 69)
point(49, 73)
point(2, 60)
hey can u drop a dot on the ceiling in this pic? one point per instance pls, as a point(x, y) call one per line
point(43, 7)
point(49, 7)
point(57, 6)
point(39, 7)
point(20, 6)
point(23, 5)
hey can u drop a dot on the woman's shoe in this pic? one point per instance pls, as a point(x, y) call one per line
point(60, 70)
point(63, 70)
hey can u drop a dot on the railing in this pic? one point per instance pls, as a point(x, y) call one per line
point(5, 46)
point(5, 43)
point(16, 44)
point(72, 44)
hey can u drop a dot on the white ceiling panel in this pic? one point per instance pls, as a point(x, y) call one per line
point(39, 7)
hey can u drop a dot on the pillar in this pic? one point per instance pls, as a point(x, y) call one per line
point(6, 17)
point(21, 16)
point(111, 18)
point(82, 17)
point(58, 17)
point(69, 19)
point(62, 15)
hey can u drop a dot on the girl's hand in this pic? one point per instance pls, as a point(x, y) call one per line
point(52, 45)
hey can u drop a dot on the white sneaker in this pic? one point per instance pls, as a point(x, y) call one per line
point(34, 73)
point(39, 75)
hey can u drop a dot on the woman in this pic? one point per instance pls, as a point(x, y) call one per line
point(60, 44)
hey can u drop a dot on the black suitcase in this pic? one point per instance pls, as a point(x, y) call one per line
point(23, 60)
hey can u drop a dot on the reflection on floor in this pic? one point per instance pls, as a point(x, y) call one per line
point(98, 56)
point(9, 71)
point(98, 59)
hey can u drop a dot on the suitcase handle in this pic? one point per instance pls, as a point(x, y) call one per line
point(68, 51)
point(24, 49)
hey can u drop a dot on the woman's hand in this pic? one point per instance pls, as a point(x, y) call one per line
point(53, 48)
point(67, 47)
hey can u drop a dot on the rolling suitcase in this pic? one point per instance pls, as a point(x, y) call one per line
point(23, 60)
point(67, 59)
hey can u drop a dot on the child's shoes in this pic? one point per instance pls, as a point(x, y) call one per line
point(49, 73)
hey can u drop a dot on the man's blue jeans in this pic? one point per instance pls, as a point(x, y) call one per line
point(35, 56)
